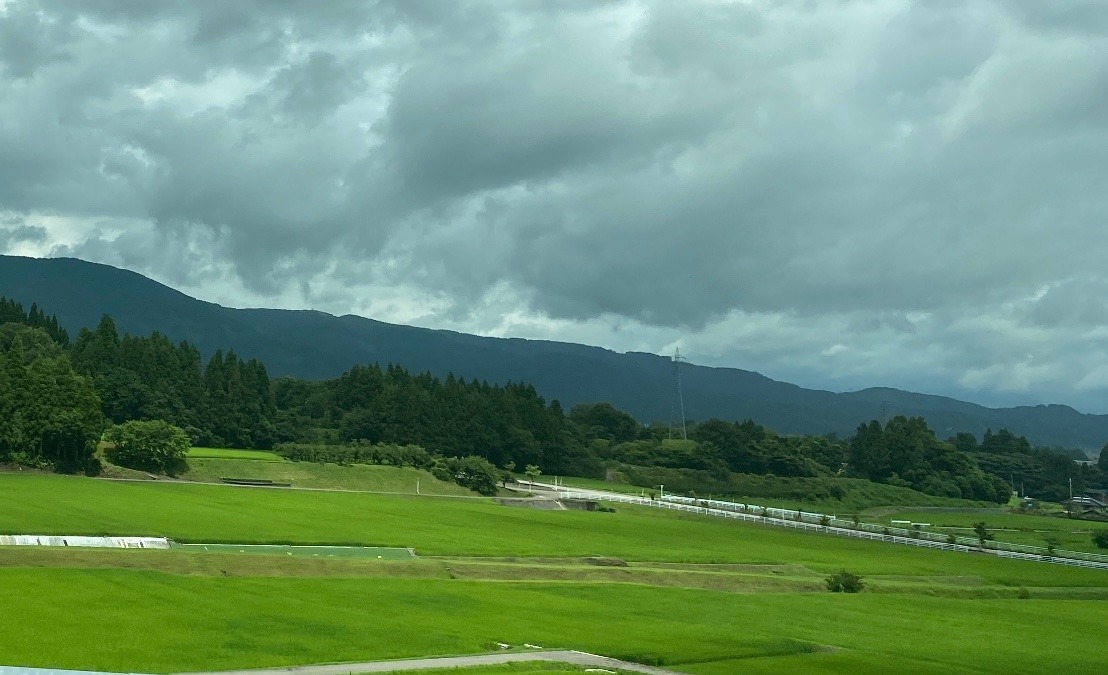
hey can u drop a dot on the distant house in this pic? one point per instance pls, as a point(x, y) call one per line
point(1099, 494)
point(1086, 504)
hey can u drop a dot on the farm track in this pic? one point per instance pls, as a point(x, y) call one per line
point(555, 656)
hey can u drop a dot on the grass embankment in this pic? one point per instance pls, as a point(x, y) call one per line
point(595, 484)
point(212, 465)
point(699, 595)
point(809, 494)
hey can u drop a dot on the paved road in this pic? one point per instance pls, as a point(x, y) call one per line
point(558, 656)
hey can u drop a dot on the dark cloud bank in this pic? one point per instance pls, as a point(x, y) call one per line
point(841, 194)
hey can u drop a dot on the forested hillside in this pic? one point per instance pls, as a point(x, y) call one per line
point(59, 395)
point(318, 346)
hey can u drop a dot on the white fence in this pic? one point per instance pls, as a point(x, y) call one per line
point(786, 518)
point(899, 531)
point(83, 542)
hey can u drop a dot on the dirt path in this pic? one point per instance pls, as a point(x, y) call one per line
point(558, 656)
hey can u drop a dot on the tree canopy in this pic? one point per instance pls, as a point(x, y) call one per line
point(148, 445)
point(56, 397)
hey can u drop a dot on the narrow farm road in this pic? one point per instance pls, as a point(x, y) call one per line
point(557, 656)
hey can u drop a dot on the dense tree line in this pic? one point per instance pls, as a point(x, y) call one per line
point(907, 453)
point(226, 402)
point(1045, 473)
point(57, 397)
point(450, 417)
point(12, 312)
point(388, 454)
point(49, 414)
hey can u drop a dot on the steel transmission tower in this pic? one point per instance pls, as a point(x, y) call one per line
point(677, 361)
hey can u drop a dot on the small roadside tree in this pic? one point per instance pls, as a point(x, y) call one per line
point(1051, 544)
point(506, 475)
point(475, 473)
point(149, 445)
point(1100, 538)
point(982, 532)
point(532, 472)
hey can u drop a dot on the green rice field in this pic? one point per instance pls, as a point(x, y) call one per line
point(196, 513)
point(695, 594)
point(215, 622)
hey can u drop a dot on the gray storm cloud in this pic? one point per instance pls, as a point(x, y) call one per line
point(842, 194)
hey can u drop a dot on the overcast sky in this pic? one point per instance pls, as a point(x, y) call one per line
point(838, 194)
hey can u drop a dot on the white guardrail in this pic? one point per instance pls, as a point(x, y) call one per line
point(82, 541)
point(811, 522)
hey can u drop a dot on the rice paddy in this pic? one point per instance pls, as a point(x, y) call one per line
point(696, 594)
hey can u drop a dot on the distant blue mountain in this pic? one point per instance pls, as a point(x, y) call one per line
point(317, 345)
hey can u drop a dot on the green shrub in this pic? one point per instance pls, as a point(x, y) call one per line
point(149, 445)
point(982, 532)
point(1051, 544)
point(845, 582)
point(1100, 538)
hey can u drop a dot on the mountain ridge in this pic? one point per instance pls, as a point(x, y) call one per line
point(315, 345)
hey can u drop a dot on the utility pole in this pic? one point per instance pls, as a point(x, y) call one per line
point(677, 360)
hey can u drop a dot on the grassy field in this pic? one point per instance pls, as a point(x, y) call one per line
point(234, 453)
point(1018, 528)
point(227, 622)
point(697, 594)
point(364, 477)
point(49, 504)
point(594, 484)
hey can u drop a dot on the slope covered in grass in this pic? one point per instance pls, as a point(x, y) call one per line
point(370, 478)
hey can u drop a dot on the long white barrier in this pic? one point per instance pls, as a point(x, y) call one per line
point(913, 533)
point(82, 542)
point(908, 537)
